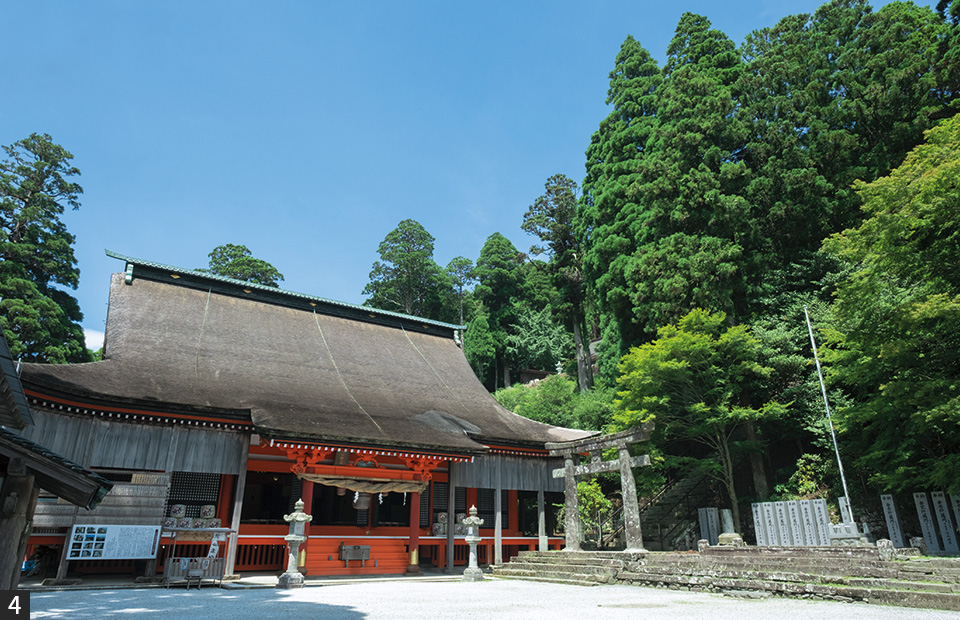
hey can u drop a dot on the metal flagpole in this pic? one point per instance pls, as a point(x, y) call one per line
point(848, 517)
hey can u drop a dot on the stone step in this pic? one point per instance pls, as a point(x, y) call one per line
point(904, 597)
point(915, 570)
point(565, 581)
point(828, 574)
point(585, 569)
point(556, 575)
point(730, 574)
point(569, 561)
point(893, 584)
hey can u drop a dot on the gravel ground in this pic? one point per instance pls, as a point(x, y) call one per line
point(499, 599)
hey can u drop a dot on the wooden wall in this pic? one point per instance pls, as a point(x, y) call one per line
point(104, 443)
point(515, 472)
point(138, 502)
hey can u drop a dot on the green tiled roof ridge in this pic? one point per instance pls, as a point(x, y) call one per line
point(277, 290)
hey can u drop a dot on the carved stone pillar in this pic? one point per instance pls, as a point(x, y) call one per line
point(572, 506)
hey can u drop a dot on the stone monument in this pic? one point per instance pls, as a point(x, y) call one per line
point(473, 523)
point(292, 578)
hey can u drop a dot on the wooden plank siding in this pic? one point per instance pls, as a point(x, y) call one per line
point(516, 473)
point(104, 443)
point(387, 556)
point(138, 502)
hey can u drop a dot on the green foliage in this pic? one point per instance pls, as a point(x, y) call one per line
point(406, 279)
point(40, 321)
point(698, 380)
point(688, 251)
point(896, 349)
point(609, 215)
point(499, 289)
point(808, 481)
point(460, 272)
point(237, 262)
point(713, 178)
point(555, 400)
point(594, 507)
point(536, 285)
point(535, 341)
point(480, 348)
point(830, 98)
point(552, 218)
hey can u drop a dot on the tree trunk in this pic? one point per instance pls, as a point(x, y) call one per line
point(584, 376)
point(726, 462)
point(760, 486)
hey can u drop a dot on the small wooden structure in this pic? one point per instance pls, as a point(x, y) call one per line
point(625, 463)
point(193, 570)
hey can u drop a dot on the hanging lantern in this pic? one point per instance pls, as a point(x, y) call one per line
point(341, 491)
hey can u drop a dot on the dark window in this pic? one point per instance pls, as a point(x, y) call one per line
point(440, 490)
point(425, 508)
point(329, 508)
point(486, 508)
point(393, 510)
point(267, 496)
point(529, 520)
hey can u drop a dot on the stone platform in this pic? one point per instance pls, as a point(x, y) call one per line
point(828, 573)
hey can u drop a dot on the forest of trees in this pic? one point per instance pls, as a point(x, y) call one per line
point(814, 165)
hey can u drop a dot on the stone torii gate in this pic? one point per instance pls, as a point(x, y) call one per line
point(625, 463)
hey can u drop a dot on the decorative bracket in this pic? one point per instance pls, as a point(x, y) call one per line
point(305, 458)
point(423, 466)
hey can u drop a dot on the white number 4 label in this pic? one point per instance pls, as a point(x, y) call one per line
point(14, 604)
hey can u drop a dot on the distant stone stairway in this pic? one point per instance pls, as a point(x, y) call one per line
point(668, 513)
point(830, 573)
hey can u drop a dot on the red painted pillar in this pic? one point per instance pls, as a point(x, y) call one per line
point(307, 496)
point(414, 566)
point(226, 498)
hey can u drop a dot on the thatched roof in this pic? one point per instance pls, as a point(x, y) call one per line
point(14, 412)
point(302, 367)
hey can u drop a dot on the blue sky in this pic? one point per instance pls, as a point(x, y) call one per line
point(308, 130)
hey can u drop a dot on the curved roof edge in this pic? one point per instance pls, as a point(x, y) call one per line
point(14, 411)
point(271, 294)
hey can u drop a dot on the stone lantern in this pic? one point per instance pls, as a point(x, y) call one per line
point(292, 578)
point(473, 523)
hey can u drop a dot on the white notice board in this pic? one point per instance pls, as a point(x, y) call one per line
point(113, 542)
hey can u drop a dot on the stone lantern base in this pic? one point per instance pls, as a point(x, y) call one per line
point(472, 574)
point(290, 581)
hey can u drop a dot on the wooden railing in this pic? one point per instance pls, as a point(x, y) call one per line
point(260, 557)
